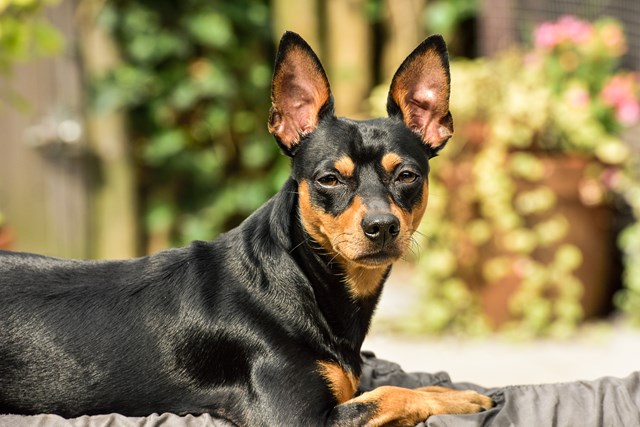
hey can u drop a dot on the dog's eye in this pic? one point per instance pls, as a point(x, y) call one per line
point(328, 180)
point(407, 177)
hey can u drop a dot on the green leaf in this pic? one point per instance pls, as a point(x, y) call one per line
point(47, 39)
point(568, 258)
point(159, 216)
point(441, 17)
point(164, 146)
point(211, 29)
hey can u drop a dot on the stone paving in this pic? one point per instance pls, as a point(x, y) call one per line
point(606, 349)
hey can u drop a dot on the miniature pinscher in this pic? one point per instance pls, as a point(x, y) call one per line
point(263, 326)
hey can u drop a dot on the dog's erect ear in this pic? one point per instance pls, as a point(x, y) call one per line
point(300, 92)
point(420, 92)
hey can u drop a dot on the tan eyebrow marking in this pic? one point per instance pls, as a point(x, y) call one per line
point(345, 166)
point(390, 161)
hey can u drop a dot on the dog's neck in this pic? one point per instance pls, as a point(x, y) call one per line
point(347, 315)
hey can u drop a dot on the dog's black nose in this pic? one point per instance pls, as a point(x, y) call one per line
point(381, 228)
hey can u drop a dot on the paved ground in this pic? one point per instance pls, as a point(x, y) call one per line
point(612, 349)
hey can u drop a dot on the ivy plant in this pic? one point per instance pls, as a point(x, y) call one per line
point(25, 34)
point(195, 82)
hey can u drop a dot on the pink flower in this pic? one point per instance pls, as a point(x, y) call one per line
point(575, 30)
point(611, 177)
point(628, 112)
point(578, 96)
point(613, 38)
point(617, 90)
point(546, 36)
point(621, 93)
point(567, 29)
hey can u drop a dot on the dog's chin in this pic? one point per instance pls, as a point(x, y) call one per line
point(376, 259)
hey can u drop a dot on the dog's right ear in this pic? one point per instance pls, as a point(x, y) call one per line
point(300, 93)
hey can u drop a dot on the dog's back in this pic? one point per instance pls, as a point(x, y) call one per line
point(73, 332)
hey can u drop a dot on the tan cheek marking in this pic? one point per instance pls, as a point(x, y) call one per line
point(325, 228)
point(419, 210)
point(410, 220)
point(310, 217)
point(343, 384)
point(345, 166)
point(390, 161)
point(350, 219)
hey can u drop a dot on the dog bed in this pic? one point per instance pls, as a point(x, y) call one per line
point(600, 403)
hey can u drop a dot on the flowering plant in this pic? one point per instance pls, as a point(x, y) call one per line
point(581, 58)
point(587, 56)
point(537, 135)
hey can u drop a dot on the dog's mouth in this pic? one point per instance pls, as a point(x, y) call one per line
point(377, 258)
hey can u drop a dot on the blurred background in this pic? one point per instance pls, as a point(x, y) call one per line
point(130, 126)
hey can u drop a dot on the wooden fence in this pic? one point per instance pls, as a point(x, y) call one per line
point(66, 181)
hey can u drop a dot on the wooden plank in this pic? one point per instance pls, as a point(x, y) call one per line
point(114, 220)
point(349, 56)
point(43, 192)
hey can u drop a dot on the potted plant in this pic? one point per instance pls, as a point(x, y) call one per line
point(6, 236)
point(518, 233)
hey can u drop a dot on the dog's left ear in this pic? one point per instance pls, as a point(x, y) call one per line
point(300, 93)
point(420, 93)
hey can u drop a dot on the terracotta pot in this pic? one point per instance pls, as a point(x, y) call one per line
point(590, 229)
point(6, 238)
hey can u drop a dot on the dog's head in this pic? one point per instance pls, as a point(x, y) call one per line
point(363, 185)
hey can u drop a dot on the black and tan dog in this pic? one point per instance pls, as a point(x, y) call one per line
point(262, 326)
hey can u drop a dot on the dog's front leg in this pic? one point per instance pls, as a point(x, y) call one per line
point(396, 406)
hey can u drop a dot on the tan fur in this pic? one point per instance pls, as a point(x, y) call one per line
point(335, 234)
point(401, 407)
point(345, 166)
point(418, 211)
point(342, 384)
point(390, 161)
point(362, 281)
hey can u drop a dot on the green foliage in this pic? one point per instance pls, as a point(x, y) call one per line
point(629, 242)
point(444, 16)
point(24, 35)
point(195, 82)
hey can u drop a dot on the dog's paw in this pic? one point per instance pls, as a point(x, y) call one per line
point(448, 401)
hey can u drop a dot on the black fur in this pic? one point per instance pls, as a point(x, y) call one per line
point(234, 327)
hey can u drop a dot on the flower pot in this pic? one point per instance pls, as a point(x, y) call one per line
point(6, 237)
point(590, 229)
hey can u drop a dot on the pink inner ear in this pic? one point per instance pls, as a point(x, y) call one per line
point(423, 109)
point(418, 104)
point(294, 114)
point(421, 89)
point(300, 100)
point(300, 91)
